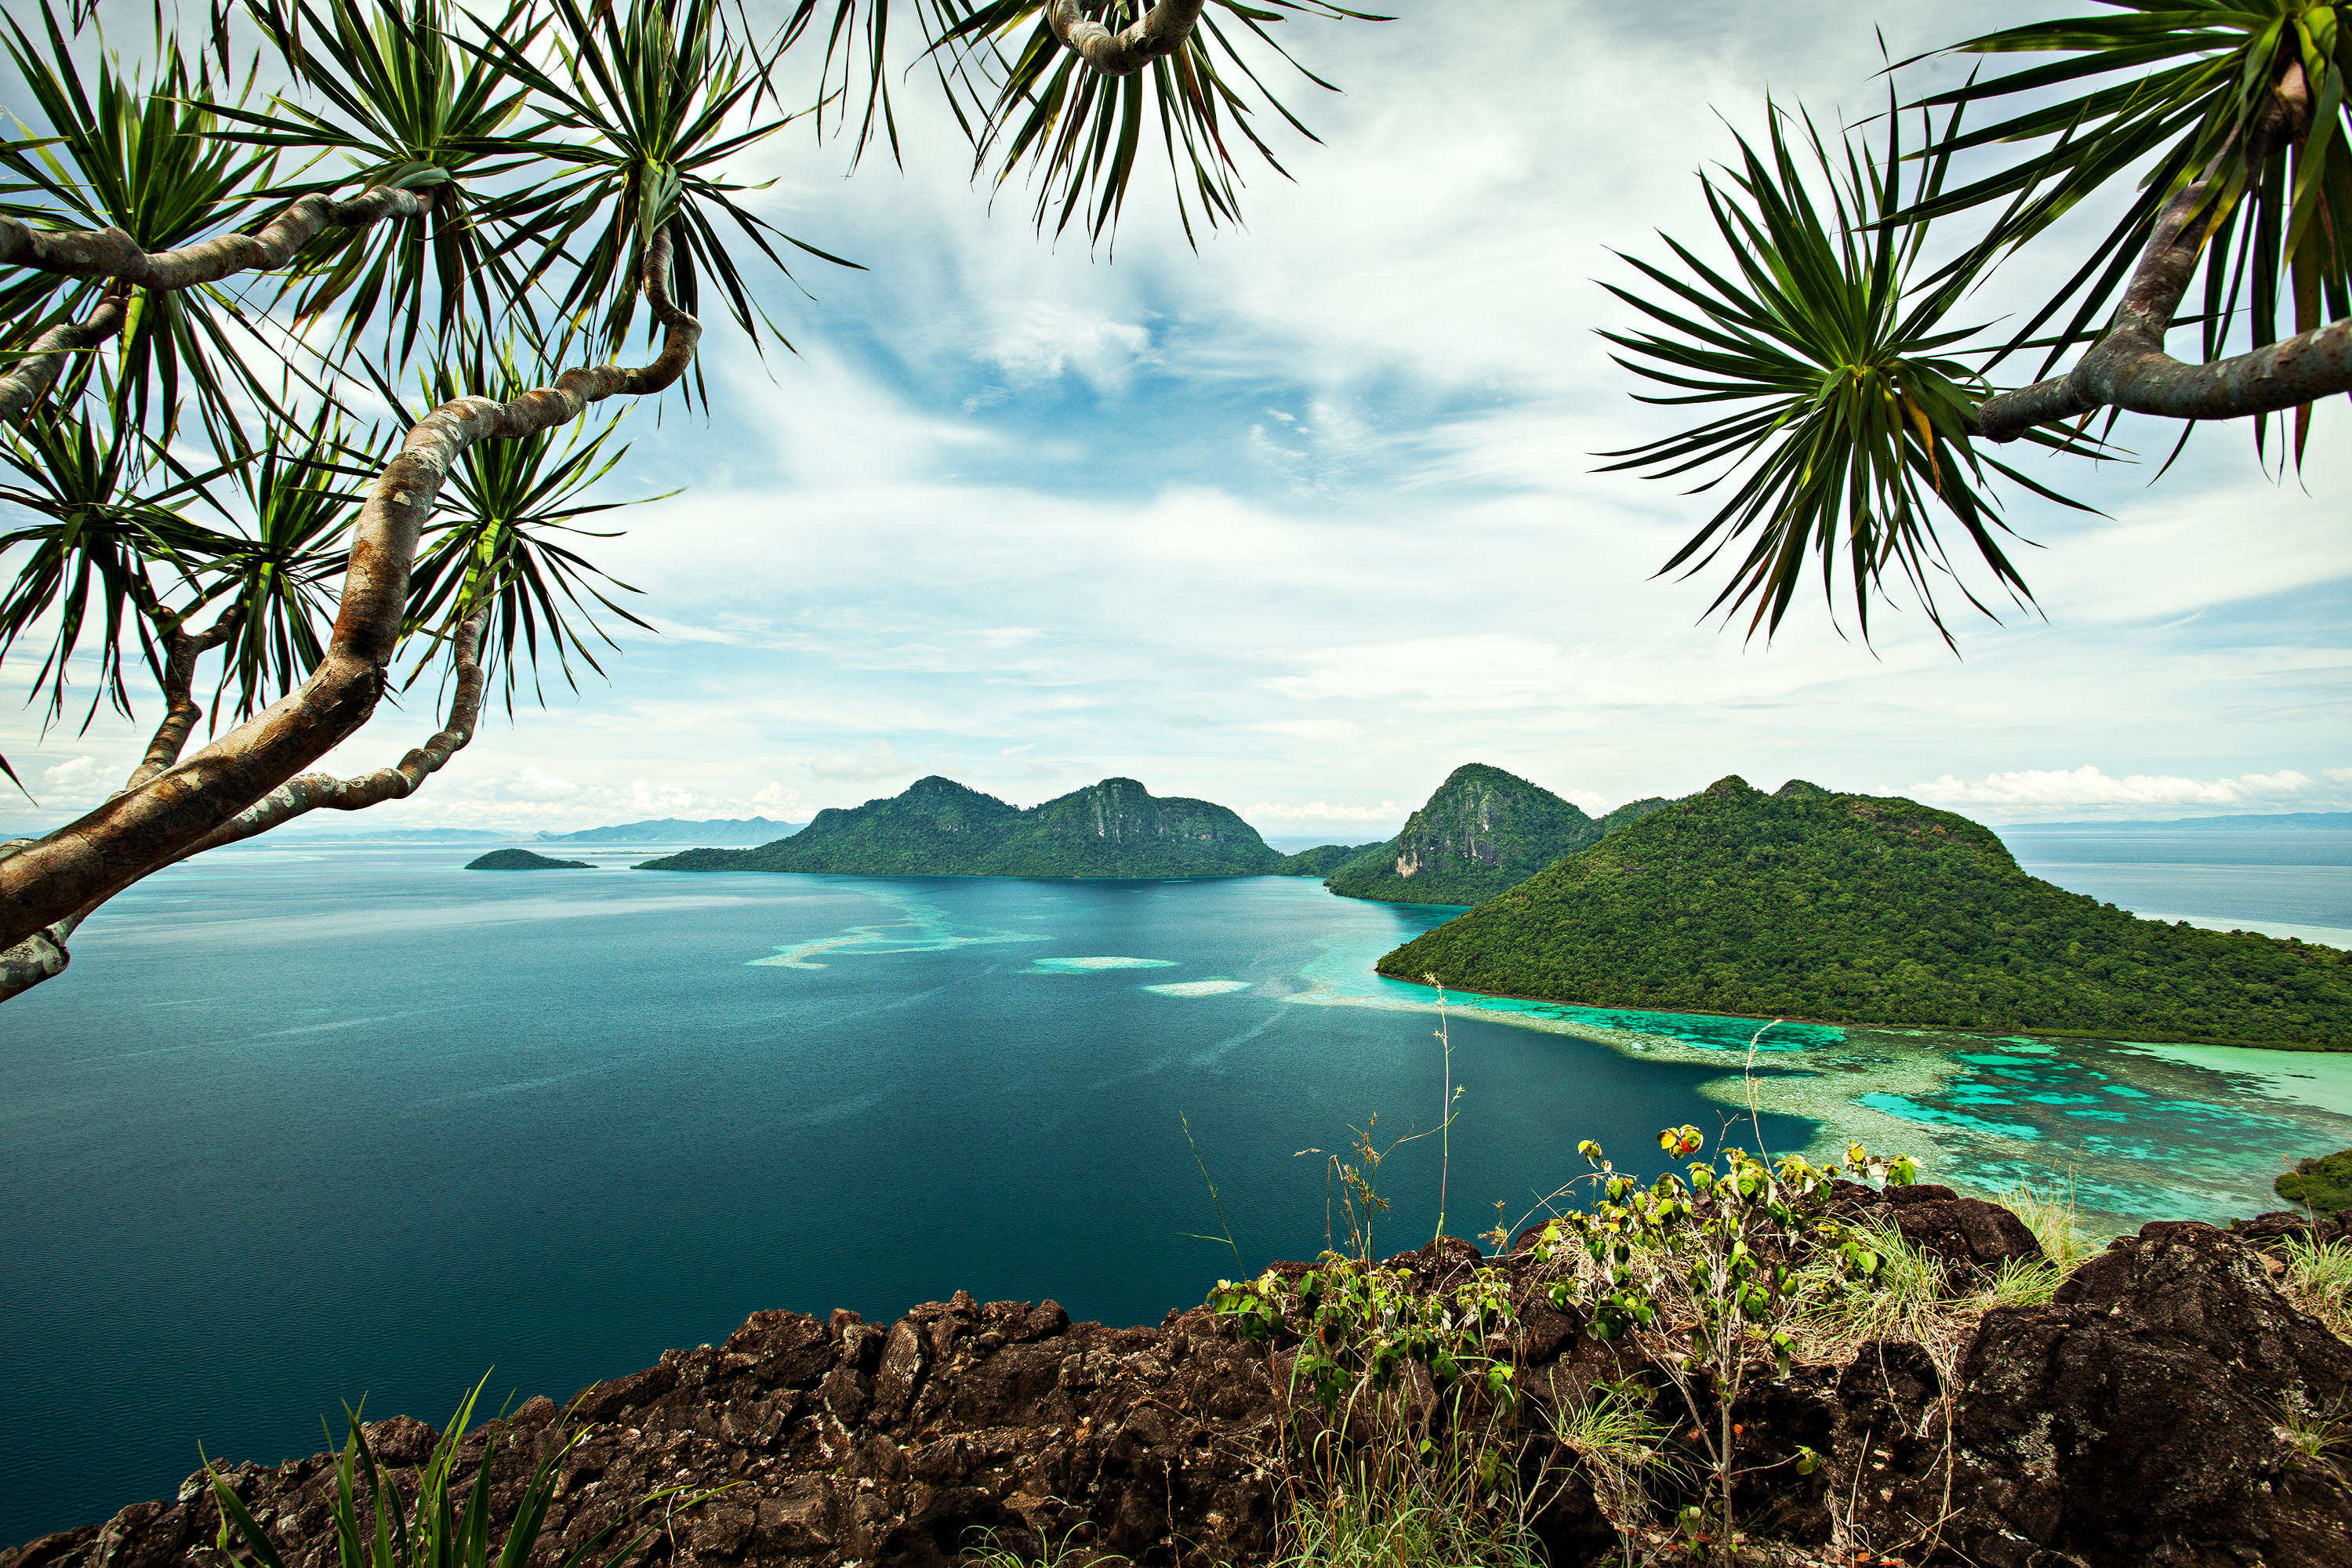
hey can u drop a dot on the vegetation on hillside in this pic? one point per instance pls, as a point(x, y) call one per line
point(941, 828)
point(2323, 1184)
point(1858, 910)
point(1323, 860)
point(523, 860)
point(1483, 830)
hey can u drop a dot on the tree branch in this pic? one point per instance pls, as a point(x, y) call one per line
point(162, 820)
point(318, 792)
point(181, 710)
point(2128, 369)
point(41, 364)
point(1162, 32)
point(111, 253)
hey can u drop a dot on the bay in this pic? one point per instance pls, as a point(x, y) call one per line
point(309, 1122)
point(304, 1125)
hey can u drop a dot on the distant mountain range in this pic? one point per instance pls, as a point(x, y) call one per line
point(1862, 909)
point(2306, 821)
point(938, 828)
point(1483, 831)
point(722, 834)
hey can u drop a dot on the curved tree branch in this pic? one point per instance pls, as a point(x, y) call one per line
point(113, 253)
point(324, 792)
point(1161, 33)
point(43, 955)
point(42, 363)
point(2128, 368)
point(91, 859)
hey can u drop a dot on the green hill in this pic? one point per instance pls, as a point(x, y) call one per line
point(523, 860)
point(941, 828)
point(1483, 830)
point(1856, 909)
point(1322, 860)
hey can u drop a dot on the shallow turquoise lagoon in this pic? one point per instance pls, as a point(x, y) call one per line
point(305, 1124)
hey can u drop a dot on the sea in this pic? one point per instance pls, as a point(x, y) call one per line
point(310, 1125)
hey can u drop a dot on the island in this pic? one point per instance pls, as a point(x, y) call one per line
point(1483, 831)
point(1863, 909)
point(524, 860)
point(939, 828)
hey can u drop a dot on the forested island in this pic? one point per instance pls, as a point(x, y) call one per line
point(939, 828)
point(1483, 831)
point(523, 860)
point(1869, 911)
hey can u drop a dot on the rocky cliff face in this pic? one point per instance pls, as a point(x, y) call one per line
point(1483, 830)
point(2135, 1420)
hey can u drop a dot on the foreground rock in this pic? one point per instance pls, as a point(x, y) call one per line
point(2146, 1416)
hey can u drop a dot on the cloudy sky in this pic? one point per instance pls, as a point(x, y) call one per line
point(1303, 521)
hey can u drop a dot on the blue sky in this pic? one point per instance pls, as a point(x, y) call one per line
point(1304, 520)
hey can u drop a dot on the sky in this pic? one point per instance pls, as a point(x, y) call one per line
point(1302, 521)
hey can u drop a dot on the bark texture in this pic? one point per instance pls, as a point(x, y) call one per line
point(2128, 368)
point(38, 368)
point(324, 792)
point(1161, 33)
point(113, 254)
point(165, 819)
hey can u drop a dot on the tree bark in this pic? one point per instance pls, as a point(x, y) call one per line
point(2128, 369)
point(113, 254)
point(164, 819)
point(1162, 32)
point(316, 792)
point(40, 364)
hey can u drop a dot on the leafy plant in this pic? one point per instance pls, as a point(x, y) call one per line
point(433, 1529)
point(1712, 1271)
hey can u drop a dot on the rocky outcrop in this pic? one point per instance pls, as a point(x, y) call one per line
point(2158, 1412)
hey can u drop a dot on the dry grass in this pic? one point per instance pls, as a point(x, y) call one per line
point(2318, 1278)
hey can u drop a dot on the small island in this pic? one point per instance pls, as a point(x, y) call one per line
point(524, 860)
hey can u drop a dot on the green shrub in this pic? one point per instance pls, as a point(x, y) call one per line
point(2324, 1184)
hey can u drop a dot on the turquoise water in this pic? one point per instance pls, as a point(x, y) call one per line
point(305, 1123)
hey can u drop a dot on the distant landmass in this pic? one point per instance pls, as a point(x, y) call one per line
point(718, 833)
point(1859, 910)
point(1323, 860)
point(2309, 821)
point(523, 860)
point(1483, 831)
point(941, 828)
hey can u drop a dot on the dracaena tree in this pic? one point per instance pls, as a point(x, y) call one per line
point(208, 273)
point(1859, 403)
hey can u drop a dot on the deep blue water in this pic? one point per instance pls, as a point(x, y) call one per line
point(299, 1126)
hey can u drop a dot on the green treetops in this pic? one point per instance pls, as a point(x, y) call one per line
point(1860, 910)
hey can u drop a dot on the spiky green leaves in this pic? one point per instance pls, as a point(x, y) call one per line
point(2160, 92)
point(1080, 133)
point(1847, 434)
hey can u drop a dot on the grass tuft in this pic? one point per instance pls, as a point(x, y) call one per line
point(2319, 1280)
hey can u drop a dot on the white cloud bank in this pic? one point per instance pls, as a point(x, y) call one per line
point(2053, 789)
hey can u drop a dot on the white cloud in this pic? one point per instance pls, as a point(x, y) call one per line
point(1037, 342)
point(1319, 811)
point(2088, 786)
point(876, 762)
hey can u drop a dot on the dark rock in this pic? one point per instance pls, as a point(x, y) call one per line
point(1971, 1237)
point(2136, 1419)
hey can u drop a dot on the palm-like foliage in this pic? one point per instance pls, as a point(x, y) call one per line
point(496, 539)
point(1079, 133)
point(142, 154)
point(397, 93)
point(2162, 91)
point(89, 549)
point(1849, 424)
point(277, 562)
point(641, 109)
